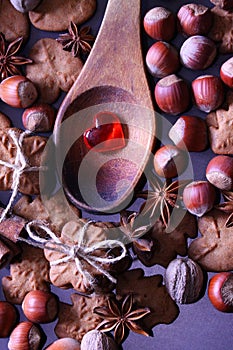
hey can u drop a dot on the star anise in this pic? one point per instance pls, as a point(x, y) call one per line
point(8, 58)
point(120, 317)
point(227, 207)
point(135, 230)
point(161, 198)
point(76, 41)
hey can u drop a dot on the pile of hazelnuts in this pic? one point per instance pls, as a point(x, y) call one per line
point(39, 307)
point(174, 96)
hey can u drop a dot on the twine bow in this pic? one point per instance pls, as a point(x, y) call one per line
point(19, 166)
point(76, 252)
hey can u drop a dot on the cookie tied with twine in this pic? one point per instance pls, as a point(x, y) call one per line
point(81, 257)
point(20, 163)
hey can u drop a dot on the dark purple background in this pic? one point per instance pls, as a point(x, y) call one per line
point(199, 326)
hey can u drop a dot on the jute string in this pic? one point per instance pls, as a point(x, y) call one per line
point(78, 252)
point(19, 166)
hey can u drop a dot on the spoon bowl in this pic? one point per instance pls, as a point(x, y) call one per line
point(113, 80)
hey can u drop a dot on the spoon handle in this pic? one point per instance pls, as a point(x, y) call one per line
point(116, 57)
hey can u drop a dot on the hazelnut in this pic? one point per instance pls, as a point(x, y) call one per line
point(226, 72)
point(190, 133)
point(194, 19)
point(220, 291)
point(18, 91)
point(40, 306)
point(25, 5)
point(199, 197)
point(170, 161)
point(162, 59)
point(172, 94)
point(25, 336)
point(208, 92)
point(64, 344)
point(8, 318)
point(96, 340)
point(219, 172)
point(197, 52)
point(184, 280)
point(39, 118)
point(160, 23)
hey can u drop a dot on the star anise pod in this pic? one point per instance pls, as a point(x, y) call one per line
point(8, 58)
point(134, 231)
point(161, 199)
point(120, 317)
point(227, 207)
point(76, 41)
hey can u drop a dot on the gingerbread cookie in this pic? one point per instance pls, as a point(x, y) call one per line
point(219, 123)
point(67, 274)
point(4, 121)
point(165, 246)
point(51, 210)
point(213, 251)
point(30, 272)
point(76, 320)
point(32, 150)
point(52, 70)
point(221, 30)
point(224, 4)
point(13, 24)
point(148, 292)
point(56, 15)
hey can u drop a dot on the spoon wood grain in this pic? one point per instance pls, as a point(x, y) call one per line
point(113, 78)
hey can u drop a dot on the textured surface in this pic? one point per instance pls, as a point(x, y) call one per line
point(49, 15)
point(53, 69)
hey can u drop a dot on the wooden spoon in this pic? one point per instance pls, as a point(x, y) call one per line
point(113, 79)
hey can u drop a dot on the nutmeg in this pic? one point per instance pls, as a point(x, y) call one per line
point(8, 318)
point(96, 340)
point(194, 19)
point(18, 91)
point(40, 306)
point(208, 92)
point(197, 52)
point(25, 336)
point(172, 94)
point(189, 132)
point(162, 59)
point(39, 118)
point(160, 23)
point(25, 5)
point(64, 344)
point(184, 280)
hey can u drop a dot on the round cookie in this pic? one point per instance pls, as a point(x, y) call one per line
point(13, 24)
point(52, 70)
point(56, 15)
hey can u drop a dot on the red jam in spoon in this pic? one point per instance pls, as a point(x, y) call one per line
point(106, 135)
